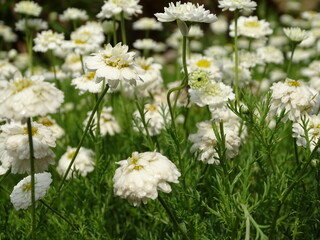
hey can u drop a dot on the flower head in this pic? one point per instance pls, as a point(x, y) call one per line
point(146, 23)
point(21, 194)
point(232, 5)
point(71, 14)
point(296, 34)
point(113, 64)
point(187, 12)
point(48, 40)
point(28, 8)
point(115, 7)
point(141, 176)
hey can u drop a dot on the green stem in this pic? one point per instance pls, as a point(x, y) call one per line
point(29, 47)
point(293, 47)
point(97, 133)
point(82, 64)
point(172, 217)
point(83, 136)
point(32, 173)
point(123, 29)
point(236, 52)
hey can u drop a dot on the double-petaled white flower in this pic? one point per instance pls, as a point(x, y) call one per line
point(147, 24)
point(115, 7)
point(71, 14)
point(232, 5)
point(28, 8)
point(141, 176)
point(296, 34)
point(48, 40)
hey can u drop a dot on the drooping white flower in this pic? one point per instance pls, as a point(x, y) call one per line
point(141, 176)
point(15, 152)
point(115, 7)
point(313, 129)
point(205, 141)
point(296, 34)
point(29, 97)
point(232, 5)
point(108, 123)
point(48, 40)
point(21, 194)
point(295, 97)
point(86, 83)
point(83, 163)
point(114, 64)
point(156, 115)
point(49, 122)
point(187, 12)
point(34, 24)
point(28, 8)
point(147, 24)
point(251, 27)
point(71, 14)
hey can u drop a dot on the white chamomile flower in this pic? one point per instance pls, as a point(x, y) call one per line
point(48, 40)
point(6, 33)
point(28, 8)
point(232, 5)
point(187, 12)
point(113, 64)
point(296, 34)
point(83, 163)
point(14, 150)
point(115, 7)
point(220, 26)
point(147, 24)
point(21, 194)
point(294, 97)
point(313, 70)
point(29, 97)
point(200, 62)
point(149, 44)
point(87, 83)
point(251, 27)
point(72, 65)
point(108, 123)
point(7, 70)
point(141, 176)
point(50, 123)
point(71, 14)
point(270, 54)
point(36, 24)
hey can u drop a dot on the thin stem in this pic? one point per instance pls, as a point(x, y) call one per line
point(123, 29)
point(82, 64)
point(83, 136)
point(293, 47)
point(32, 172)
point(114, 31)
point(29, 46)
point(97, 132)
point(172, 217)
point(236, 52)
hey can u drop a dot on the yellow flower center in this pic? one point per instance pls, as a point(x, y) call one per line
point(293, 83)
point(145, 67)
point(21, 85)
point(45, 121)
point(117, 64)
point(203, 63)
point(71, 155)
point(90, 75)
point(152, 108)
point(80, 41)
point(26, 187)
point(34, 130)
point(252, 24)
point(134, 161)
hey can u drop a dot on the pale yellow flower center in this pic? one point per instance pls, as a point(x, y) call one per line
point(90, 75)
point(152, 108)
point(71, 155)
point(117, 64)
point(34, 130)
point(21, 85)
point(80, 41)
point(252, 24)
point(134, 161)
point(145, 67)
point(26, 187)
point(294, 83)
point(45, 121)
point(203, 63)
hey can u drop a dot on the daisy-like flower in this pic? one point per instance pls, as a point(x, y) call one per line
point(251, 27)
point(7, 70)
point(220, 26)
point(21, 194)
point(149, 44)
point(200, 62)
point(50, 123)
point(205, 141)
point(141, 176)
point(147, 24)
point(228, 71)
point(29, 97)
point(14, 150)
point(155, 116)
point(232, 5)
point(87, 83)
point(313, 70)
point(108, 123)
point(6, 33)
point(48, 40)
point(35, 24)
point(313, 127)
point(83, 163)
point(296, 34)
point(205, 91)
point(295, 97)
point(72, 64)
point(187, 12)
point(270, 54)
point(28, 8)
point(71, 14)
point(115, 7)
point(114, 64)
